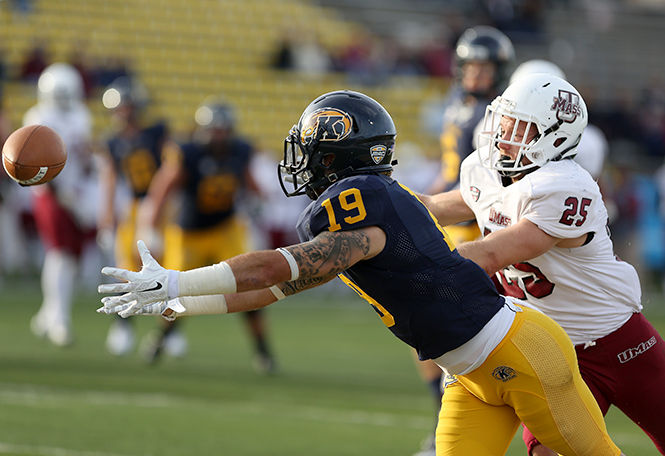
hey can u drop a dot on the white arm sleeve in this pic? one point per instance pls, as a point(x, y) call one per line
point(202, 305)
point(209, 280)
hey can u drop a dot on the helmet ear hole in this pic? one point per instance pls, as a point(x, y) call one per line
point(327, 160)
point(559, 141)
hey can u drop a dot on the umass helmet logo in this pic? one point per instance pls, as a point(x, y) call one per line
point(567, 106)
point(325, 124)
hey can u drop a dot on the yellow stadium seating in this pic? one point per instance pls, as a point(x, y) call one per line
point(187, 51)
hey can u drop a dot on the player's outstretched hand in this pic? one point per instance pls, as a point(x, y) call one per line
point(148, 286)
point(169, 310)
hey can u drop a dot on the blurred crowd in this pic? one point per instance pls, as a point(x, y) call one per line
point(94, 74)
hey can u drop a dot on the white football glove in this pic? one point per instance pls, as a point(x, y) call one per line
point(151, 284)
point(130, 309)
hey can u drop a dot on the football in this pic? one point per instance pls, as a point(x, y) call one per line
point(33, 155)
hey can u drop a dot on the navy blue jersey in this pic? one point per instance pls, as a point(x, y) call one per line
point(461, 116)
point(424, 291)
point(137, 158)
point(212, 183)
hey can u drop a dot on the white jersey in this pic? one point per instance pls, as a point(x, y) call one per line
point(273, 211)
point(75, 186)
point(586, 289)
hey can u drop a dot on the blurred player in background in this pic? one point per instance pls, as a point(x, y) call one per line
point(130, 157)
point(210, 172)
point(272, 213)
point(64, 209)
point(546, 242)
point(483, 56)
point(512, 363)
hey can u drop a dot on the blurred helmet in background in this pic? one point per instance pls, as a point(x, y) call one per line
point(125, 91)
point(536, 66)
point(215, 113)
point(485, 44)
point(60, 85)
point(215, 122)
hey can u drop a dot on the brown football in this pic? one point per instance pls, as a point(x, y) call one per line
point(33, 155)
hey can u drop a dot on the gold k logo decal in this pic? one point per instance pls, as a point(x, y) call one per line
point(504, 373)
point(326, 124)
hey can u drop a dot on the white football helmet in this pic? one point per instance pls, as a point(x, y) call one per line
point(60, 85)
point(553, 105)
point(536, 66)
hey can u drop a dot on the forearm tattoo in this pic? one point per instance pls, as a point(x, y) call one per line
point(322, 258)
point(291, 288)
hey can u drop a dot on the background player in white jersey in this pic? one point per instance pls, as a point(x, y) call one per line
point(546, 241)
point(63, 209)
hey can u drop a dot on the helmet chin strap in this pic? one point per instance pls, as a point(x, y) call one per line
point(508, 173)
point(507, 162)
point(334, 177)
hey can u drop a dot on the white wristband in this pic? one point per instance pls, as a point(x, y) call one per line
point(277, 292)
point(295, 271)
point(209, 280)
point(204, 305)
point(174, 288)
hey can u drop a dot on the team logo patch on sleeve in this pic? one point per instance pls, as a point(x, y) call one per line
point(475, 193)
point(504, 373)
point(377, 153)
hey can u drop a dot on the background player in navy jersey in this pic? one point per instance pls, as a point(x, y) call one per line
point(483, 55)
point(130, 157)
point(210, 172)
point(512, 363)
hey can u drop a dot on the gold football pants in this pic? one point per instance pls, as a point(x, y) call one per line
point(531, 377)
point(189, 249)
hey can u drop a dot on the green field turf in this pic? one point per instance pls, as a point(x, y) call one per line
point(345, 386)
